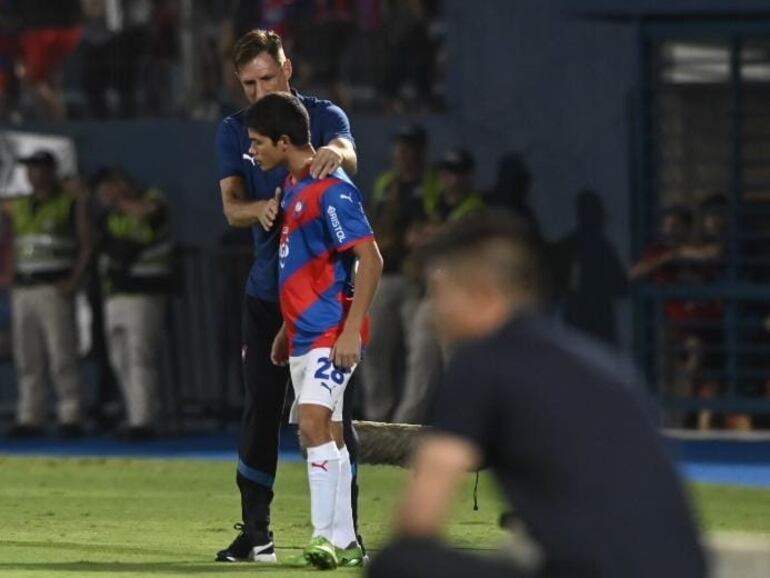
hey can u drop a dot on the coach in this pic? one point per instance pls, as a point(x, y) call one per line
point(249, 200)
point(593, 486)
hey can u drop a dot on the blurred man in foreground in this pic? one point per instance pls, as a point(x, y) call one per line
point(594, 488)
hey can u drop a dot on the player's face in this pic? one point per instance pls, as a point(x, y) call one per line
point(266, 153)
point(264, 75)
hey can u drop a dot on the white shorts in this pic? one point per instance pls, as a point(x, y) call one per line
point(317, 382)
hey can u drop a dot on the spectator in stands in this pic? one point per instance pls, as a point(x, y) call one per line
point(50, 34)
point(408, 82)
point(424, 359)
point(135, 265)
point(658, 264)
point(397, 207)
point(702, 260)
point(113, 50)
point(162, 91)
point(53, 246)
point(9, 53)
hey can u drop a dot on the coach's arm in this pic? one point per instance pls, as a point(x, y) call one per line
point(338, 151)
point(241, 211)
point(441, 462)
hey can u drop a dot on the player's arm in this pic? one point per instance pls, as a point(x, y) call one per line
point(241, 211)
point(338, 152)
point(347, 349)
point(441, 462)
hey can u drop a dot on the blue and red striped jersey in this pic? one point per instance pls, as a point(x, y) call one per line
point(322, 220)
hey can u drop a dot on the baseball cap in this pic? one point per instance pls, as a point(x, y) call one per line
point(40, 157)
point(457, 160)
point(412, 133)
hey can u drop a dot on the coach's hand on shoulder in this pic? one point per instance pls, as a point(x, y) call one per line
point(325, 162)
point(346, 353)
point(270, 210)
point(279, 354)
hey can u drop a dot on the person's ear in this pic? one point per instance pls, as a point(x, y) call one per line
point(284, 142)
point(288, 69)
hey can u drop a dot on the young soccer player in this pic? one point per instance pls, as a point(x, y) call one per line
point(326, 244)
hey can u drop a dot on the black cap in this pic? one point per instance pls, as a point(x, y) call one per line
point(457, 160)
point(412, 133)
point(40, 157)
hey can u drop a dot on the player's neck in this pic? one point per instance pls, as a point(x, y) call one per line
point(299, 161)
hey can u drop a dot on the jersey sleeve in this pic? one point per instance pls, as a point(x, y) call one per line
point(463, 405)
point(228, 151)
point(345, 217)
point(336, 125)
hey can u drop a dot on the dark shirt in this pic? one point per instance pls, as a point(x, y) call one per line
point(562, 425)
point(327, 122)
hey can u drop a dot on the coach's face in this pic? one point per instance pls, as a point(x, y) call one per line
point(264, 75)
point(266, 153)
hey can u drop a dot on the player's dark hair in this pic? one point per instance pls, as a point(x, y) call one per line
point(278, 114)
point(503, 244)
point(254, 43)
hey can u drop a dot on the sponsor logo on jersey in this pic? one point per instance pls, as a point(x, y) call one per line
point(335, 221)
point(250, 158)
point(347, 197)
point(298, 207)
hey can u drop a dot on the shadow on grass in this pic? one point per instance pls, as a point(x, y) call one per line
point(112, 568)
point(100, 548)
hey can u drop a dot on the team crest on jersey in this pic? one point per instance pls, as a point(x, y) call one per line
point(298, 207)
point(283, 247)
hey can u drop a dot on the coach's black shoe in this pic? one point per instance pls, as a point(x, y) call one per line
point(244, 548)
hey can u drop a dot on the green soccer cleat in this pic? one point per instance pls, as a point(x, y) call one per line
point(351, 557)
point(321, 553)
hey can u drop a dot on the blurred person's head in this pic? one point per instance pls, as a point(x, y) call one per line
point(481, 271)
point(112, 184)
point(261, 64)
point(409, 151)
point(41, 171)
point(456, 170)
point(713, 210)
point(514, 178)
point(590, 210)
point(277, 124)
point(675, 224)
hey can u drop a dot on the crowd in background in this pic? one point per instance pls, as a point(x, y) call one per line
point(98, 59)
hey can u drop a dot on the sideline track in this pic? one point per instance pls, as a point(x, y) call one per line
point(742, 460)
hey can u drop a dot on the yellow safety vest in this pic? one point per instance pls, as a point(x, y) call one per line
point(45, 240)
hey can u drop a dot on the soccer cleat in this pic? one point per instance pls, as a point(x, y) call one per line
point(243, 549)
point(351, 557)
point(321, 553)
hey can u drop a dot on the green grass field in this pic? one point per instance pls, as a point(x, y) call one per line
point(113, 517)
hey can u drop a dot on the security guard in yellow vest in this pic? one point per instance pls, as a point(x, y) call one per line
point(52, 249)
point(397, 206)
point(135, 265)
point(457, 198)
